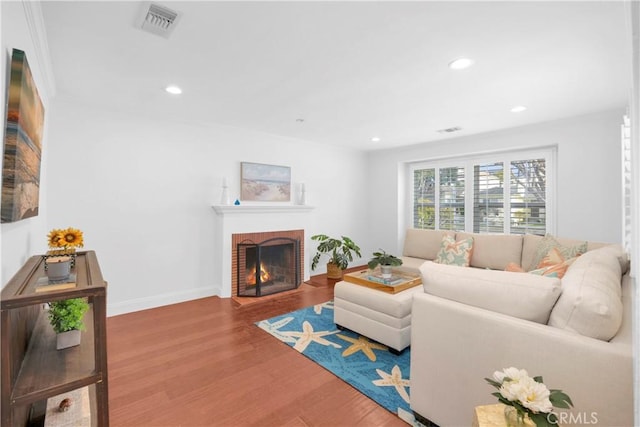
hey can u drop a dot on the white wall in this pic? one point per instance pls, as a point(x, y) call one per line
point(22, 239)
point(588, 196)
point(142, 191)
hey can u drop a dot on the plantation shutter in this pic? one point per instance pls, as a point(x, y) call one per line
point(424, 198)
point(451, 190)
point(528, 196)
point(488, 200)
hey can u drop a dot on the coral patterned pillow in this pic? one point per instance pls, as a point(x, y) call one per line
point(515, 268)
point(455, 253)
point(554, 270)
point(549, 244)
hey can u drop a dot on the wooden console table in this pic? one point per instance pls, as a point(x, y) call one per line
point(32, 370)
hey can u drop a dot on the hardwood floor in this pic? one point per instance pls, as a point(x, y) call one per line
point(204, 363)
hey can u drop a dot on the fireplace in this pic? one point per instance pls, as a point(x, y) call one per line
point(267, 263)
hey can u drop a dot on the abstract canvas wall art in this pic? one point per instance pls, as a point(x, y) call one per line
point(22, 144)
point(265, 183)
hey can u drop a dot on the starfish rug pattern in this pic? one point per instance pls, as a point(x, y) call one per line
point(361, 362)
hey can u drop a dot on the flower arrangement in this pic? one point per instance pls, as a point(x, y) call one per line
point(65, 239)
point(529, 396)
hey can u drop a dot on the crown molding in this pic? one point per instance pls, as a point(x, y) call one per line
point(37, 29)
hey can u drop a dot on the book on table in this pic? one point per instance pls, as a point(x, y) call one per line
point(43, 284)
point(389, 281)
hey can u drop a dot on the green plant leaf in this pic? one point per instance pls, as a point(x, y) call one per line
point(540, 419)
point(494, 383)
point(560, 399)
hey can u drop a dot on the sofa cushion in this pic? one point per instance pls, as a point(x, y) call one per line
point(454, 252)
point(591, 302)
point(547, 244)
point(525, 296)
point(494, 251)
point(423, 244)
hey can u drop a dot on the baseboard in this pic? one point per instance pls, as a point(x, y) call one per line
point(159, 300)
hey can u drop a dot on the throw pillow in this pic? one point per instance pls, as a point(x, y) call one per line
point(515, 268)
point(548, 244)
point(455, 253)
point(554, 270)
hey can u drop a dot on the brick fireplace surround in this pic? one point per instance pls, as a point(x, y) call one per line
point(230, 220)
point(258, 238)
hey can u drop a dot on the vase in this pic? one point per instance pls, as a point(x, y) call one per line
point(58, 268)
point(334, 271)
point(68, 339)
point(386, 271)
point(513, 418)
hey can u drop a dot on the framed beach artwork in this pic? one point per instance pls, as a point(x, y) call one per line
point(265, 183)
point(22, 144)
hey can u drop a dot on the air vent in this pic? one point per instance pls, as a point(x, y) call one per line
point(450, 130)
point(159, 20)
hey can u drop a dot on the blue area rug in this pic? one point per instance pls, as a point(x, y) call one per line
point(365, 364)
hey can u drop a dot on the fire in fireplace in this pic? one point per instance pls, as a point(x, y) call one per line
point(268, 267)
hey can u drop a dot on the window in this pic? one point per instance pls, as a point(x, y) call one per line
point(504, 193)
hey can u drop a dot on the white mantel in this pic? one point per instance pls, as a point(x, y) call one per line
point(231, 219)
point(259, 209)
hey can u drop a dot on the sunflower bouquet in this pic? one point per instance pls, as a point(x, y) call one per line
point(64, 241)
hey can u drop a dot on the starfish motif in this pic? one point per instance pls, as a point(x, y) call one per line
point(308, 335)
point(362, 344)
point(273, 329)
point(394, 380)
point(318, 307)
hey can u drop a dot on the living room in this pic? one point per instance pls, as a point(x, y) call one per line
point(141, 184)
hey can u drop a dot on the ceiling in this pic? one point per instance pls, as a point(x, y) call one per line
point(341, 73)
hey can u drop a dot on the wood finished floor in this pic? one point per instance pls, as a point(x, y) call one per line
point(204, 363)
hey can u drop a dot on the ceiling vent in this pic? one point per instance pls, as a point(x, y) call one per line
point(159, 20)
point(450, 130)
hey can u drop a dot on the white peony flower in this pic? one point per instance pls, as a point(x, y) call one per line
point(514, 374)
point(511, 390)
point(534, 396)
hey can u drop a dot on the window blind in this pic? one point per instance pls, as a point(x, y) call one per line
point(451, 198)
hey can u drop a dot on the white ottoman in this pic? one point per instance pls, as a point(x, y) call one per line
point(378, 315)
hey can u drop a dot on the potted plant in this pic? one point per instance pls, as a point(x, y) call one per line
point(386, 261)
point(66, 319)
point(340, 251)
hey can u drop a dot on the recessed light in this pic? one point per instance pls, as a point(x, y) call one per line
point(174, 90)
point(375, 139)
point(518, 109)
point(460, 63)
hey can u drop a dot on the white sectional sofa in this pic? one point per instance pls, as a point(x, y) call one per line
point(574, 331)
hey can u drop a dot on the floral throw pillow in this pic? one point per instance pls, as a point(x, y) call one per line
point(549, 247)
point(455, 253)
point(554, 270)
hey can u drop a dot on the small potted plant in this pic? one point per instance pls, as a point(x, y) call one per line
point(386, 262)
point(341, 252)
point(66, 319)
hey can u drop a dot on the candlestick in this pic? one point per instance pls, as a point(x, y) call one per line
point(224, 198)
